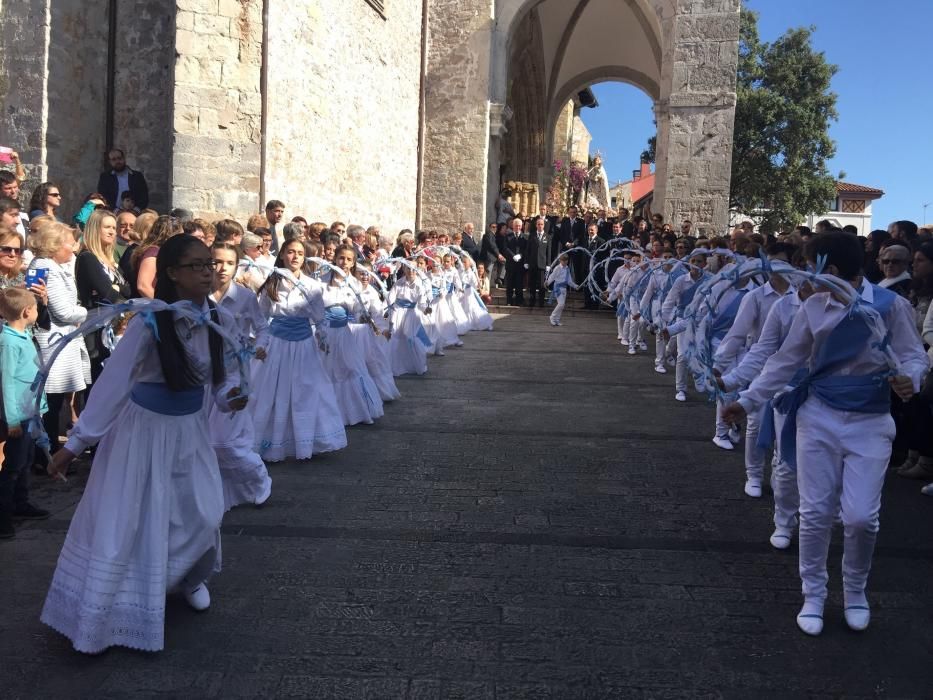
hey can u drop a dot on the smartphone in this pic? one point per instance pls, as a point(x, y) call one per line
point(5, 156)
point(34, 274)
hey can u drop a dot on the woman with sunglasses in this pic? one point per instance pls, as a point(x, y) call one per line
point(46, 199)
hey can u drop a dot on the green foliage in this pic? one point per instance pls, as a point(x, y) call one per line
point(649, 155)
point(782, 118)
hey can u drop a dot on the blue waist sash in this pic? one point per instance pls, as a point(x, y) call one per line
point(450, 287)
point(405, 304)
point(290, 328)
point(338, 317)
point(158, 398)
point(869, 393)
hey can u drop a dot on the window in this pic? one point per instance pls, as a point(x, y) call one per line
point(379, 6)
point(853, 206)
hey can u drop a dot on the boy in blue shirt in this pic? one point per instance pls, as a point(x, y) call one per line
point(18, 366)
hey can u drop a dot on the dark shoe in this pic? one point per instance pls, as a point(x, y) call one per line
point(7, 531)
point(30, 512)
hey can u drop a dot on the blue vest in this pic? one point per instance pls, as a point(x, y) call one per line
point(868, 393)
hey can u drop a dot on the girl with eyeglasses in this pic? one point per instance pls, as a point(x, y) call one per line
point(148, 522)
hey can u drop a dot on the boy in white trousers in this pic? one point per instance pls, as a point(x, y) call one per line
point(560, 278)
point(614, 292)
point(841, 409)
point(672, 311)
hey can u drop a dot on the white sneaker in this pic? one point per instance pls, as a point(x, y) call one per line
point(556, 324)
point(752, 488)
point(927, 490)
point(623, 341)
point(680, 396)
point(780, 539)
point(723, 443)
point(198, 597)
point(810, 623)
point(735, 435)
point(632, 350)
point(553, 323)
point(660, 369)
point(619, 337)
point(671, 361)
point(642, 345)
point(857, 617)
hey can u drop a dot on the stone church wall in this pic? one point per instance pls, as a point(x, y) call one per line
point(342, 111)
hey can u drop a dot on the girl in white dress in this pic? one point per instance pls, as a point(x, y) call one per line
point(443, 312)
point(429, 294)
point(410, 342)
point(377, 343)
point(149, 519)
point(454, 291)
point(357, 394)
point(474, 308)
point(244, 474)
point(294, 408)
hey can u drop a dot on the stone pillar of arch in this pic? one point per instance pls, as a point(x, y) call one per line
point(696, 113)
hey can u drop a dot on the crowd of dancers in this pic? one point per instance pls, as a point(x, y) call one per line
point(804, 357)
point(205, 383)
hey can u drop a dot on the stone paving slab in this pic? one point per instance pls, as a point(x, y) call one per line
point(536, 518)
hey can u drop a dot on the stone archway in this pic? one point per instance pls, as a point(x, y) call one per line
point(681, 52)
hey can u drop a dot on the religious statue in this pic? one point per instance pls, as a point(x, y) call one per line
point(597, 185)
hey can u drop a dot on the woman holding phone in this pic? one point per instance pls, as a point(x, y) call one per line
point(54, 246)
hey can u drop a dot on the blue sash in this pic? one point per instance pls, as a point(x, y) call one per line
point(868, 393)
point(337, 316)
point(158, 398)
point(405, 304)
point(724, 320)
point(420, 334)
point(450, 287)
point(290, 328)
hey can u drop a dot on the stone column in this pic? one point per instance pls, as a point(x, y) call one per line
point(218, 107)
point(696, 114)
point(457, 114)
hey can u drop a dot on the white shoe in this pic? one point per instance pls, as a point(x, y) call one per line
point(619, 337)
point(198, 597)
point(780, 539)
point(660, 369)
point(671, 361)
point(558, 324)
point(632, 350)
point(927, 490)
point(553, 323)
point(642, 345)
point(723, 443)
point(857, 617)
point(752, 488)
point(623, 341)
point(810, 623)
point(680, 396)
point(735, 435)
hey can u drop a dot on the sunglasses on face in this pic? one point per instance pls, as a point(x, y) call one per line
point(10, 250)
point(55, 194)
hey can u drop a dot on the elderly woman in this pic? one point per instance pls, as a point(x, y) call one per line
point(99, 280)
point(54, 246)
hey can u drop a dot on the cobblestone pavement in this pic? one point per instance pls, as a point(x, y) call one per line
point(536, 518)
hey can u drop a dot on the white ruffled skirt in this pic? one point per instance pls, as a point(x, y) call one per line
point(357, 394)
point(293, 404)
point(475, 310)
point(377, 361)
point(456, 309)
point(408, 347)
point(445, 324)
point(149, 519)
point(243, 474)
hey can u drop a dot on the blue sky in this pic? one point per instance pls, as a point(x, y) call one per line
point(884, 136)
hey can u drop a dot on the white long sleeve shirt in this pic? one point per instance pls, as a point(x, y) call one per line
point(773, 332)
point(746, 329)
point(243, 306)
point(813, 323)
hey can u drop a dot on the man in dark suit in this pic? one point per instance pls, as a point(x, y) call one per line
point(544, 212)
point(491, 255)
point(573, 232)
point(537, 258)
point(593, 242)
point(123, 182)
point(515, 245)
point(610, 269)
point(604, 226)
point(468, 243)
